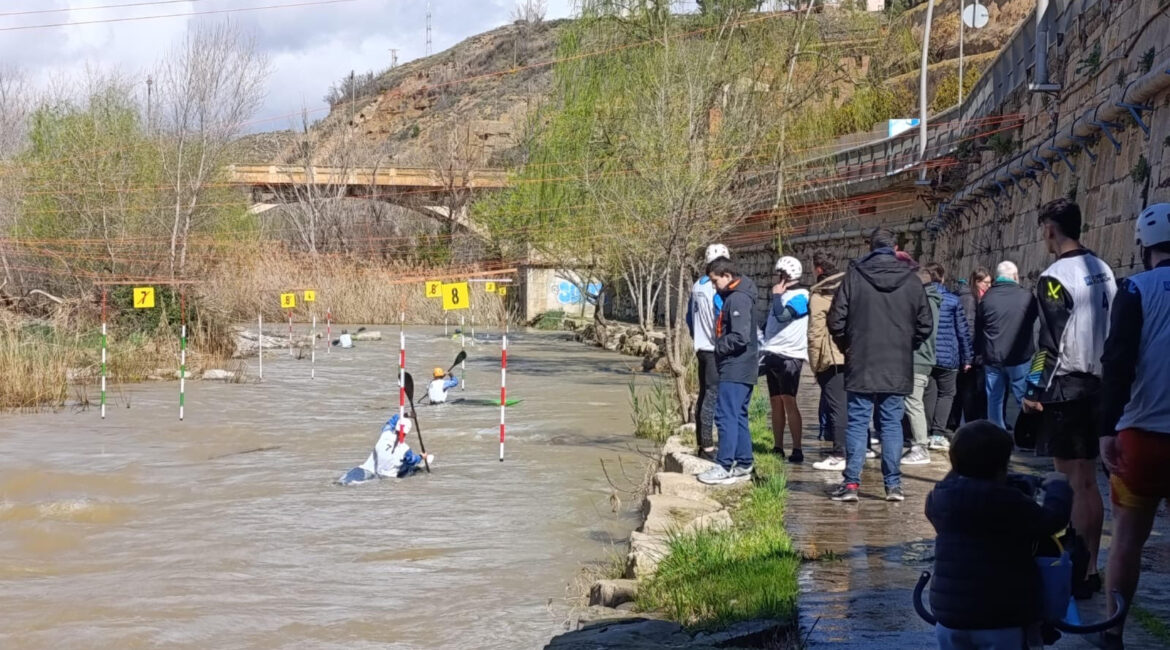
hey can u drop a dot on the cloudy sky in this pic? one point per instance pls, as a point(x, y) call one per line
point(310, 47)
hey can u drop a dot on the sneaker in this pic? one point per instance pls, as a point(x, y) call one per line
point(869, 453)
point(707, 455)
point(779, 451)
point(895, 493)
point(740, 474)
point(874, 441)
point(716, 476)
point(797, 457)
point(1106, 641)
point(938, 443)
point(845, 492)
point(916, 456)
point(830, 464)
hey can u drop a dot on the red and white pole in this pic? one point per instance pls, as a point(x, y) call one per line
point(402, 383)
point(503, 389)
point(290, 333)
point(328, 332)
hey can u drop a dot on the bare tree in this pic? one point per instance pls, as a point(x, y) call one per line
point(210, 85)
point(13, 112)
point(530, 11)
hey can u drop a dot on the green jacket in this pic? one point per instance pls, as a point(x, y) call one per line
point(925, 356)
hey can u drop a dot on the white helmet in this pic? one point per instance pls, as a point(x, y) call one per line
point(715, 251)
point(791, 266)
point(1153, 225)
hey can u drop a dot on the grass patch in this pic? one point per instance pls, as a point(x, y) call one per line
point(714, 578)
point(1153, 625)
point(653, 410)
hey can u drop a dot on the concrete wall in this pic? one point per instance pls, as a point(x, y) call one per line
point(1099, 51)
point(545, 289)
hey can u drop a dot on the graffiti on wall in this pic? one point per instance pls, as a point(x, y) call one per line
point(566, 292)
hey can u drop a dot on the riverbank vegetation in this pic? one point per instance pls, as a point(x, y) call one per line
point(717, 577)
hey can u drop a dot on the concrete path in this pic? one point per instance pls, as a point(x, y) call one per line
point(866, 557)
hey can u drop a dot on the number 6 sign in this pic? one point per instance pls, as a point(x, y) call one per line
point(456, 296)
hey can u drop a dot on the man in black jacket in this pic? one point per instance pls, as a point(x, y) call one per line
point(1004, 320)
point(737, 358)
point(986, 589)
point(879, 316)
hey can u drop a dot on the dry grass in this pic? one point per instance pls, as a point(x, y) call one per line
point(355, 292)
point(33, 370)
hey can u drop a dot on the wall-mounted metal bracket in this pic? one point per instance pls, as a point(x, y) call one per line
point(1136, 111)
point(1063, 158)
point(1084, 142)
point(1105, 126)
point(1044, 163)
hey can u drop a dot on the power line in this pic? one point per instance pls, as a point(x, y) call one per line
point(57, 11)
point(177, 15)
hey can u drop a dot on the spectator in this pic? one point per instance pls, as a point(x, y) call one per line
point(953, 352)
point(1073, 295)
point(924, 360)
point(1005, 320)
point(738, 359)
point(826, 359)
point(986, 591)
point(971, 404)
point(785, 348)
point(1135, 442)
point(701, 316)
point(879, 315)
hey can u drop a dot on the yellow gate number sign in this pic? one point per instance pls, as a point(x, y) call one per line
point(434, 288)
point(456, 296)
point(502, 290)
point(144, 297)
point(288, 300)
point(489, 287)
point(310, 296)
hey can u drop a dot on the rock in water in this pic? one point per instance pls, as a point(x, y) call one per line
point(367, 336)
point(218, 374)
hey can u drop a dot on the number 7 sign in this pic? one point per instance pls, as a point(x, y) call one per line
point(144, 297)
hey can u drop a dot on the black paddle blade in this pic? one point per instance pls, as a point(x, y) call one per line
point(408, 383)
point(459, 358)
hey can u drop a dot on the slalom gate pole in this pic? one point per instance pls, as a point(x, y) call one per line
point(445, 325)
point(260, 342)
point(290, 333)
point(328, 331)
point(313, 349)
point(503, 388)
point(401, 379)
point(104, 344)
point(462, 364)
point(182, 353)
point(472, 319)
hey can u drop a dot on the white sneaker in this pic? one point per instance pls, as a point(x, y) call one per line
point(916, 456)
point(830, 464)
point(869, 453)
point(938, 443)
point(741, 474)
point(716, 476)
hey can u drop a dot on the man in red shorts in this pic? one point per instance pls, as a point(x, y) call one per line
point(1135, 425)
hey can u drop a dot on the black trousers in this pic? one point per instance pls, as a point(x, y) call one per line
point(970, 400)
point(705, 406)
point(834, 406)
point(938, 398)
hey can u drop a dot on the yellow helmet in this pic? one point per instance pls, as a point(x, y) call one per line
point(438, 373)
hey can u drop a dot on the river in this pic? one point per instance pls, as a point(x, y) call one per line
point(140, 530)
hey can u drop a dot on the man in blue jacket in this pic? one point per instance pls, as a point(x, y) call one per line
point(738, 358)
point(954, 351)
point(701, 315)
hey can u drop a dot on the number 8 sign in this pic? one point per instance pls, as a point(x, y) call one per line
point(434, 288)
point(456, 296)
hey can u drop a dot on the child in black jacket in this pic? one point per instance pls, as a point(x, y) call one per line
point(986, 589)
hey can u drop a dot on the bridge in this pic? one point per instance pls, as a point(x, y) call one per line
point(431, 191)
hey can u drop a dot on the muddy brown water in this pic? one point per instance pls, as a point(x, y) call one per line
point(143, 531)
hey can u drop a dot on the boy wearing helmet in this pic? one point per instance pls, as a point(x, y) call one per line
point(701, 316)
point(784, 346)
point(442, 382)
point(1135, 423)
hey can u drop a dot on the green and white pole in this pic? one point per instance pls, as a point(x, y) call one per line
point(260, 342)
point(313, 350)
point(462, 347)
point(103, 397)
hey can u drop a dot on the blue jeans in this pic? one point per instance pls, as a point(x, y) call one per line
point(1006, 638)
point(998, 379)
point(731, 417)
point(889, 413)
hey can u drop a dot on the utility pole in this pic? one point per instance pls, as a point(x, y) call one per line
point(428, 27)
point(393, 57)
point(922, 91)
point(352, 94)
